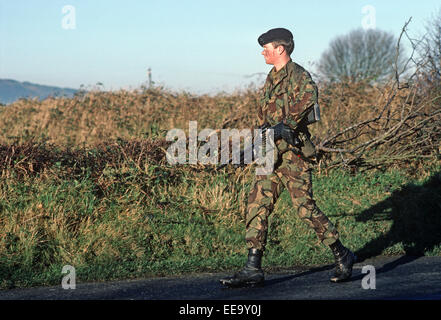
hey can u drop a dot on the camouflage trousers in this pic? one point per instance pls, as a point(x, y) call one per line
point(293, 173)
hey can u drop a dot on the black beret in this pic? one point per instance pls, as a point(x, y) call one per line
point(275, 34)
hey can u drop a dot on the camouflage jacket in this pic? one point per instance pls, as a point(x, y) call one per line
point(288, 95)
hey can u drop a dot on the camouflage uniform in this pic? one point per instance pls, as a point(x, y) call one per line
point(287, 95)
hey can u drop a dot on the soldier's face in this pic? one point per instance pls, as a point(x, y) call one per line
point(270, 53)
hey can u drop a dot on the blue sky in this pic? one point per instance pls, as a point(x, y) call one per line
point(194, 45)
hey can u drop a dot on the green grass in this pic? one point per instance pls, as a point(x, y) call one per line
point(133, 221)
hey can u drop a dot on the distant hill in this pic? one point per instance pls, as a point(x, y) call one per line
point(12, 90)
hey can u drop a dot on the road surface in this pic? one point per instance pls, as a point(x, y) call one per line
point(381, 278)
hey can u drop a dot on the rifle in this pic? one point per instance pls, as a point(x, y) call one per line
point(281, 131)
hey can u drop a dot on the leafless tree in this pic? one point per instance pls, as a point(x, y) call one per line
point(360, 55)
point(429, 50)
point(404, 125)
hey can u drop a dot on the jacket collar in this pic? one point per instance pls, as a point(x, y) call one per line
point(277, 76)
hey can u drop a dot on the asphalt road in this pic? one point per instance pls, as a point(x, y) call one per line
point(381, 278)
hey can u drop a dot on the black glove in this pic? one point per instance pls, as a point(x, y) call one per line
point(284, 132)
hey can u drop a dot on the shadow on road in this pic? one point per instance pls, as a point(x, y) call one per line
point(302, 274)
point(415, 211)
point(388, 266)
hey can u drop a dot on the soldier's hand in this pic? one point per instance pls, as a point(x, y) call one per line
point(283, 131)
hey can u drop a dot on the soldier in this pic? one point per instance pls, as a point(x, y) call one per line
point(289, 95)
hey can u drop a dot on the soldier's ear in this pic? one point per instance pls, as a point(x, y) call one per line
point(280, 50)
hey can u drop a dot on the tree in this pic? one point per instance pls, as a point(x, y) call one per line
point(361, 55)
point(394, 123)
point(430, 52)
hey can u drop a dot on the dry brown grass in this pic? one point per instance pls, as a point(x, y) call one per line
point(96, 116)
point(360, 122)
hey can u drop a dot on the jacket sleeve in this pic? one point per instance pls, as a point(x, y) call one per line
point(302, 95)
point(262, 106)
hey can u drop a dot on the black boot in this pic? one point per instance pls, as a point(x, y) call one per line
point(344, 260)
point(251, 275)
